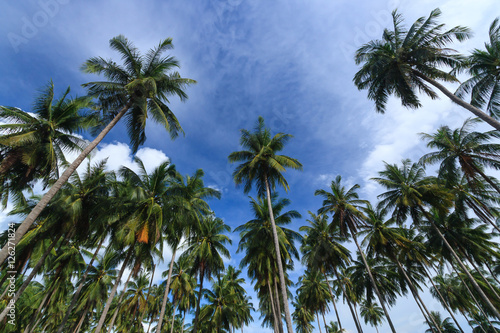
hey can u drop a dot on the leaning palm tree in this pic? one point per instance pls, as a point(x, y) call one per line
point(482, 65)
point(262, 165)
point(406, 61)
point(32, 145)
point(409, 190)
point(345, 206)
point(205, 248)
point(443, 325)
point(138, 89)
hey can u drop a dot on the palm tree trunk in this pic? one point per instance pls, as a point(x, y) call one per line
point(30, 219)
point(80, 323)
point(149, 293)
point(354, 316)
point(488, 179)
point(319, 325)
point(333, 301)
point(489, 269)
point(481, 274)
point(165, 295)
point(472, 280)
point(445, 304)
point(34, 271)
point(35, 315)
point(113, 291)
point(324, 321)
point(9, 161)
point(112, 322)
point(417, 298)
point(382, 303)
point(183, 318)
point(202, 273)
point(80, 287)
point(288, 318)
point(173, 321)
point(273, 308)
point(278, 306)
point(477, 112)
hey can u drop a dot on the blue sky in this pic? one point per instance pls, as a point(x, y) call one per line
point(289, 61)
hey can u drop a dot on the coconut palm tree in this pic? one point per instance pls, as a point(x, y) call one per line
point(302, 316)
point(465, 150)
point(186, 204)
point(345, 207)
point(443, 325)
point(406, 61)
point(32, 145)
point(314, 292)
point(408, 191)
point(482, 66)
point(372, 314)
point(137, 89)
point(322, 251)
point(262, 165)
point(205, 248)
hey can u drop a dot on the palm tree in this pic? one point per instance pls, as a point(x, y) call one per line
point(406, 61)
point(372, 314)
point(302, 316)
point(140, 86)
point(204, 248)
point(32, 145)
point(314, 292)
point(262, 165)
point(443, 325)
point(408, 191)
point(482, 65)
point(186, 204)
point(256, 239)
point(465, 150)
point(345, 207)
point(334, 328)
point(322, 251)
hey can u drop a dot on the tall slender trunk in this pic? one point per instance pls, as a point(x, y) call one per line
point(477, 112)
point(462, 266)
point(417, 298)
point(481, 274)
point(119, 303)
point(165, 295)
point(28, 221)
point(381, 300)
point(288, 318)
point(491, 273)
point(354, 316)
point(202, 273)
point(278, 306)
point(324, 321)
point(34, 317)
point(113, 291)
point(333, 301)
point(80, 323)
point(183, 318)
point(173, 320)
point(80, 287)
point(319, 325)
point(147, 297)
point(445, 304)
point(273, 308)
point(34, 271)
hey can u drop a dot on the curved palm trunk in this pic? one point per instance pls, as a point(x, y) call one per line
point(165, 295)
point(112, 322)
point(445, 304)
point(324, 321)
point(382, 303)
point(462, 266)
point(288, 318)
point(273, 308)
point(477, 112)
point(113, 291)
point(354, 316)
point(202, 273)
point(333, 301)
point(30, 219)
point(417, 298)
point(34, 271)
point(80, 287)
point(80, 323)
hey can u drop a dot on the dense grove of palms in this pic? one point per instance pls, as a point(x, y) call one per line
point(87, 258)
